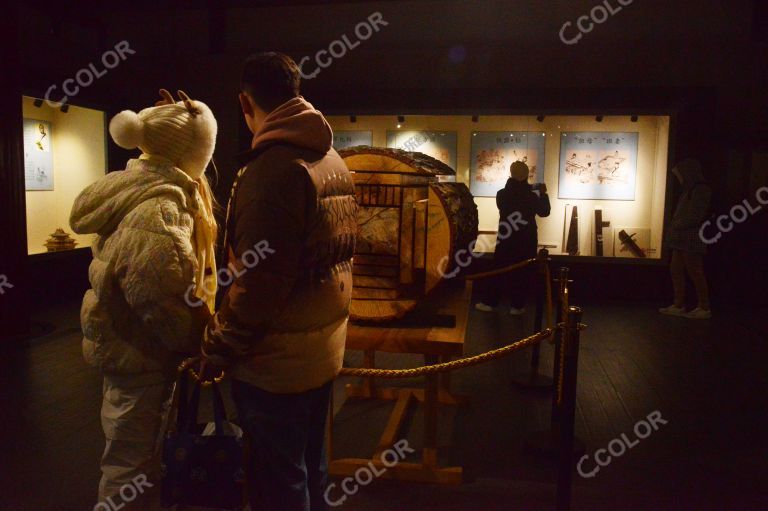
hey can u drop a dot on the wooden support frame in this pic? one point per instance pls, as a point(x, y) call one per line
point(437, 345)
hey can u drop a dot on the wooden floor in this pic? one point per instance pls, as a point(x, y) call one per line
point(707, 379)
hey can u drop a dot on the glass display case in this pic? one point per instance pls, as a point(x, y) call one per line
point(64, 152)
point(606, 176)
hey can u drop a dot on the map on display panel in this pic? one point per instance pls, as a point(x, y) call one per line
point(440, 145)
point(38, 157)
point(343, 139)
point(492, 154)
point(598, 165)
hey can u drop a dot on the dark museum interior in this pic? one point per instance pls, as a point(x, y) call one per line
point(492, 254)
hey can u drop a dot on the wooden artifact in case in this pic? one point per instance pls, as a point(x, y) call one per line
point(410, 227)
point(60, 241)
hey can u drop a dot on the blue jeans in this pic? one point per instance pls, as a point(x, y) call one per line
point(287, 469)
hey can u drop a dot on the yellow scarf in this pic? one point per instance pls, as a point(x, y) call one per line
point(204, 236)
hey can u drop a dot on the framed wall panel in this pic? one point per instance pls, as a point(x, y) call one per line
point(492, 153)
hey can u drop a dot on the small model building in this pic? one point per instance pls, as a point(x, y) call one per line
point(410, 228)
point(59, 241)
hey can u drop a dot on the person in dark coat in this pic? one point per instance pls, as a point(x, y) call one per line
point(517, 239)
point(290, 235)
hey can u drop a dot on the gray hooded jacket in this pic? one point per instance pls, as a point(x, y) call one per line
point(692, 209)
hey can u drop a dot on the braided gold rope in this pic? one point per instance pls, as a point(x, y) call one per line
point(500, 271)
point(453, 364)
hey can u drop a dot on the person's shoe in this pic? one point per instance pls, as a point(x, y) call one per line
point(517, 312)
point(673, 310)
point(483, 307)
point(698, 313)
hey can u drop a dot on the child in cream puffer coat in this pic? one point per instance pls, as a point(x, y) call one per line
point(152, 276)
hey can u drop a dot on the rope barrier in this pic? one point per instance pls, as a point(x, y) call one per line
point(453, 364)
point(500, 271)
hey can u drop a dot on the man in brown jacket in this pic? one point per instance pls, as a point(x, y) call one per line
point(281, 328)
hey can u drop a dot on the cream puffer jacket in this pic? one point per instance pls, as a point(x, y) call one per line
point(135, 318)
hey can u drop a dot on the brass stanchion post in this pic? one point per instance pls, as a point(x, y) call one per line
point(532, 379)
point(547, 443)
point(563, 297)
point(570, 347)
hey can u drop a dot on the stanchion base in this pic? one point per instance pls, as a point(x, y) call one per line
point(545, 444)
point(533, 381)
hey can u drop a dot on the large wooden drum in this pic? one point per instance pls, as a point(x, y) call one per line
point(410, 226)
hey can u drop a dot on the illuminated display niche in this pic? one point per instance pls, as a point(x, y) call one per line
point(73, 155)
point(616, 165)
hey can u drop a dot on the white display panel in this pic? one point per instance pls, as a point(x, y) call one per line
point(38, 155)
point(350, 138)
point(597, 165)
point(492, 154)
point(440, 145)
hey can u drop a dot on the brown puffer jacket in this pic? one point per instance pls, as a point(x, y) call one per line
point(290, 234)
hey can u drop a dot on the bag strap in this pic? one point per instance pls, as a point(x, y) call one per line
point(183, 405)
point(219, 412)
point(191, 413)
point(188, 408)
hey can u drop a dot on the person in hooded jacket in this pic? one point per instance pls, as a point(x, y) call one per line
point(281, 327)
point(150, 298)
point(517, 239)
point(683, 238)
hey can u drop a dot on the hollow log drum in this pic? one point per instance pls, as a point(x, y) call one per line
point(410, 227)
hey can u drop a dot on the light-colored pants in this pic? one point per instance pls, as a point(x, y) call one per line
point(132, 418)
point(692, 264)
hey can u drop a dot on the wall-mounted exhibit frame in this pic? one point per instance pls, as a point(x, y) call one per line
point(344, 139)
point(38, 155)
point(492, 153)
point(597, 165)
point(439, 144)
point(645, 137)
point(75, 155)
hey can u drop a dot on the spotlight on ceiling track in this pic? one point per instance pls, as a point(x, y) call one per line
point(599, 118)
point(400, 119)
point(633, 118)
point(38, 102)
point(540, 118)
point(65, 107)
point(475, 118)
point(352, 118)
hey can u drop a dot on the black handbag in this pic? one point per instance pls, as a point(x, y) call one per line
point(202, 469)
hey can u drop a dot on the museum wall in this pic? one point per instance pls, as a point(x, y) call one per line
point(701, 59)
point(79, 159)
point(646, 211)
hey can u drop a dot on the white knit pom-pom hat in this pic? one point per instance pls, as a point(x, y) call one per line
point(183, 132)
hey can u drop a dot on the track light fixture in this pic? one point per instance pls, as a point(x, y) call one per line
point(65, 108)
point(352, 118)
point(633, 118)
point(540, 118)
point(38, 102)
point(475, 118)
point(599, 118)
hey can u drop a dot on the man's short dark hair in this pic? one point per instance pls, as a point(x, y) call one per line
point(270, 78)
